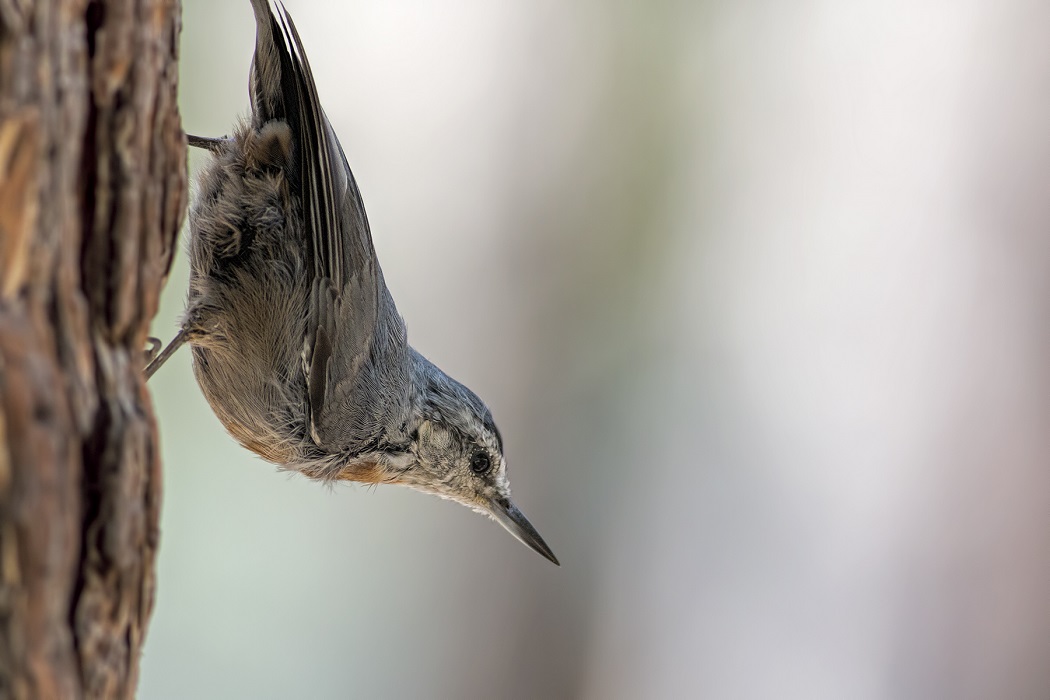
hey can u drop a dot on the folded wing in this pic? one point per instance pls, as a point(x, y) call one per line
point(354, 336)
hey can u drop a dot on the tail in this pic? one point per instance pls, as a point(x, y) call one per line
point(282, 88)
point(270, 64)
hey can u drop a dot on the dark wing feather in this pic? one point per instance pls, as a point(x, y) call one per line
point(349, 300)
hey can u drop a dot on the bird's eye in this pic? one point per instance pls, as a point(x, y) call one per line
point(479, 463)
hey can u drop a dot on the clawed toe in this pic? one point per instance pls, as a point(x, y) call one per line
point(155, 344)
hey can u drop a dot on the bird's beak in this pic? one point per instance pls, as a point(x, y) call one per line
point(508, 515)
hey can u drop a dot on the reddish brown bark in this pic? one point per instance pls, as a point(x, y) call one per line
point(92, 193)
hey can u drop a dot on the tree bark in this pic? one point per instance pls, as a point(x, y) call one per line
point(92, 194)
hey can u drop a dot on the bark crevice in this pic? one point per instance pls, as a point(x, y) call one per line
point(92, 194)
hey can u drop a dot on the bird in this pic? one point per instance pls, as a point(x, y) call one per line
point(296, 342)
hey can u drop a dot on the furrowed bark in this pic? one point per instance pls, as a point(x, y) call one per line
point(92, 194)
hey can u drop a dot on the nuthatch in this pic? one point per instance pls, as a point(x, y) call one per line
point(297, 344)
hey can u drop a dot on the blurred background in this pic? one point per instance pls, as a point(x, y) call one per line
point(759, 294)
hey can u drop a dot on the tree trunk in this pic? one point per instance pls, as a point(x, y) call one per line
point(92, 193)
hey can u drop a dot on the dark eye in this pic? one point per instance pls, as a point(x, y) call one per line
point(479, 463)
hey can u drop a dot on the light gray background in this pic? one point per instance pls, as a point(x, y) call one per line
point(758, 293)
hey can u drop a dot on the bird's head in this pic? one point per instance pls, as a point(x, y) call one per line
point(456, 452)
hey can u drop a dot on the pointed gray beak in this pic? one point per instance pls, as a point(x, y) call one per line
point(508, 515)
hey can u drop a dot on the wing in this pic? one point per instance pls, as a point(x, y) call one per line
point(354, 331)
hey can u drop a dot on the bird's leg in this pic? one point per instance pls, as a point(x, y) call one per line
point(206, 142)
point(156, 362)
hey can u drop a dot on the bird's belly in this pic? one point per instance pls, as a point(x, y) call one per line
point(248, 363)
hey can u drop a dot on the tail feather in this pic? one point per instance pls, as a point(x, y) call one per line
point(282, 87)
point(270, 63)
